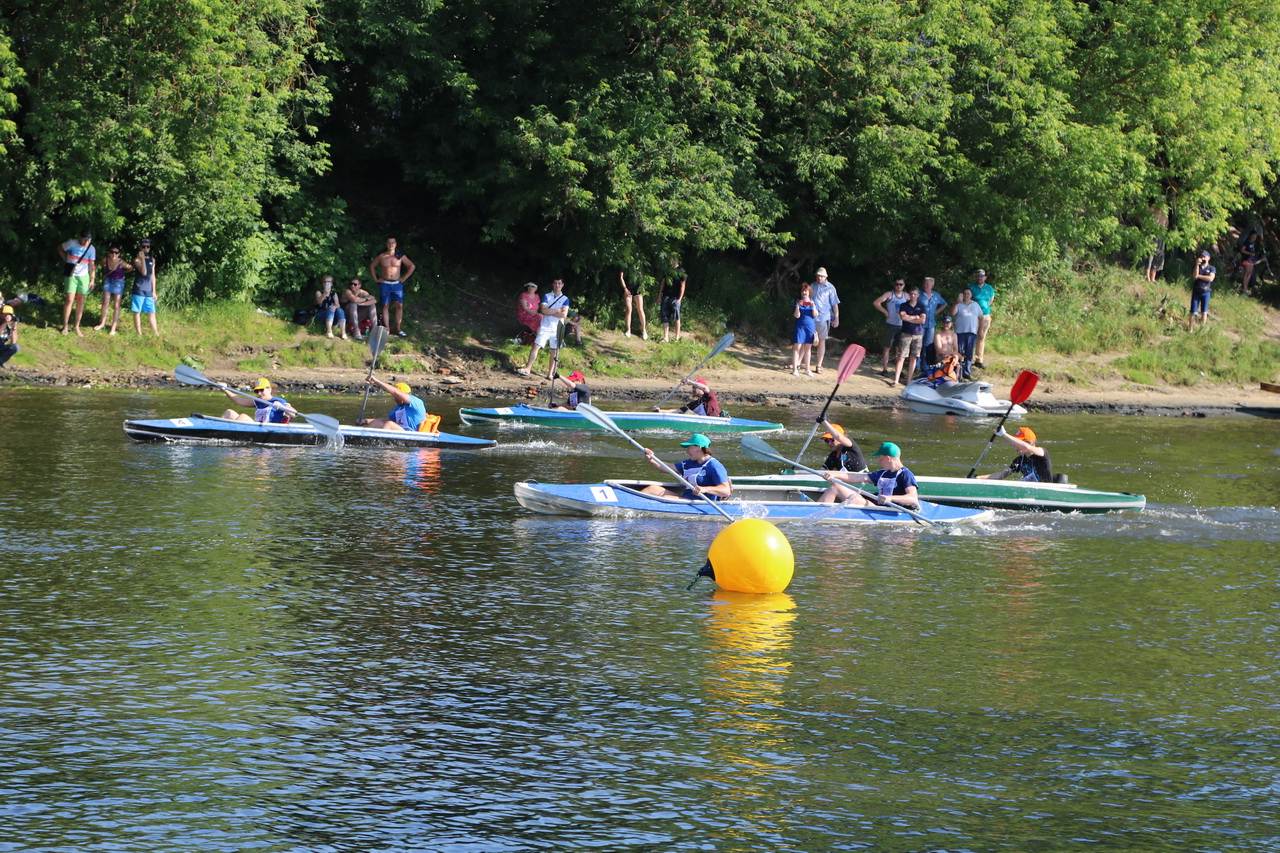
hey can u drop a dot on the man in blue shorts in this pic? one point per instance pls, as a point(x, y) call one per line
point(1202, 287)
point(391, 270)
point(409, 413)
point(145, 289)
point(79, 268)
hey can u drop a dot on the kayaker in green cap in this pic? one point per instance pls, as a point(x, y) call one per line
point(705, 474)
point(894, 482)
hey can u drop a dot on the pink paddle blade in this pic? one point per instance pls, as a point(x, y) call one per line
point(1023, 386)
point(850, 361)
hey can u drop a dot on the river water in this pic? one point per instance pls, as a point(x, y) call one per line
point(225, 648)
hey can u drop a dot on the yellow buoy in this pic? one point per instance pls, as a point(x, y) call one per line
point(751, 555)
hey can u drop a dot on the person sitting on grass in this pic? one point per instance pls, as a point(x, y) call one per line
point(1032, 462)
point(267, 408)
point(8, 334)
point(579, 392)
point(704, 474)
point(894, 482)
point(410, 411)
point(329, 308)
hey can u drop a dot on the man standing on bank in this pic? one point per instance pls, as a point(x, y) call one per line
point(554, 309)
point(827, 305)
point(672, 299)
point(1201, 287)
point(983, 294)
point(79, 266)
point(391, 269)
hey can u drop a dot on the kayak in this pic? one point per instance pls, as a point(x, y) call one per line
point(203, 428)
point(623, 499)
point(989, 494)
point(569, 419)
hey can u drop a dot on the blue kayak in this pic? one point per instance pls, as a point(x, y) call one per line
point(569, 419)
point(203, 428)
point(623, 499)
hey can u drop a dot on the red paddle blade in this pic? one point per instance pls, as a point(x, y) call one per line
point(849, 362)
point(1023, 386)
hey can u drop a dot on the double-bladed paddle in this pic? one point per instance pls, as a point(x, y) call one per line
point(324, 424)
point(756, 447)
point(377, 340)
point(849, 362)
point(603, 421)
point(1019, 394)
point(721, 345)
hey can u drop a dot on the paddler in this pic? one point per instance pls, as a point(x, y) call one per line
point(845, 453)
point(410, 411)
point(1031, 463)
point(579, 391)
point(705, 403)
point(894, 482)
point(705, 474)
point(267, 408)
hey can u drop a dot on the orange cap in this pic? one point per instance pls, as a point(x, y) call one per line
point(1026, 434)
point(826, 436)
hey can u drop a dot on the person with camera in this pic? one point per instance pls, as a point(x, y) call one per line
point(1202, 287)
point(329, 308)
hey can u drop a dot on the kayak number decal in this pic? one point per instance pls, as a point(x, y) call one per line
point(604, 495)
point(182, 422)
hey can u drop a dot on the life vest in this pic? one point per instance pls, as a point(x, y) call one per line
point(431, 423)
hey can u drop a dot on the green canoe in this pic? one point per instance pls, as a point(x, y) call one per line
point(989, 494)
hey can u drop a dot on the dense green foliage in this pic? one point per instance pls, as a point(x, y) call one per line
point(263, 141)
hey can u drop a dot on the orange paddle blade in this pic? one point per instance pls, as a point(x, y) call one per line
point(1023, 386)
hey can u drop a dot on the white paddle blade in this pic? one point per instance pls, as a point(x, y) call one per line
point(323, 423)
point(377, 340)
point(190, 376)
point(721, 345)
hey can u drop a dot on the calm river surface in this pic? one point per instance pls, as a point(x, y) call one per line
point(224, 648)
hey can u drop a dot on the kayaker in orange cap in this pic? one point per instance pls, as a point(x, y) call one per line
point(1031, 463)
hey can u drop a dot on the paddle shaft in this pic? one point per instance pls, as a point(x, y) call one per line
point(720, 347)
point(854, 358)
point(555, 362)
point(377, 340)
point(990, 441)
point(814, 431)
point(323, 423)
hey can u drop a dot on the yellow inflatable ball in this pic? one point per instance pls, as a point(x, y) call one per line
point(752, 555)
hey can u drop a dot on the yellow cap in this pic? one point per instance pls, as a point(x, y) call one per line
point(8, 309)
point(402, 387)
point(263, 384)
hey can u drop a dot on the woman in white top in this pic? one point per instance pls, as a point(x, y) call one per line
point(966, 312)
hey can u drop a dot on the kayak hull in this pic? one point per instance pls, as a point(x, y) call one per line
point(206, 429)
point(988, 494)
point(568, 419)
point(623, 499)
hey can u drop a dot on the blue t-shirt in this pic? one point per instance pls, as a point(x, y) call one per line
point(266, 411)
point(71, 251)
point(409, 415)
point(710, 472)
point(931, 302)
point(916, 311)
point(983, 294)
point(893, 483)
point(1205, 286)
point(825, 299)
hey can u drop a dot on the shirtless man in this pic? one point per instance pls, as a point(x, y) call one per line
point(391, 270)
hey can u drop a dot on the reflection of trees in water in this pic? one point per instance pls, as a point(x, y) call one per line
point(1022, 562)
point(750, 640)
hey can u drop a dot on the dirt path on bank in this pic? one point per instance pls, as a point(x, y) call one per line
point(759, 378)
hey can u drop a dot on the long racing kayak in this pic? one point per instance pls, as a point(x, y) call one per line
point(203, 428)
point(522, 413)
point(624, 499)
point(988, 494)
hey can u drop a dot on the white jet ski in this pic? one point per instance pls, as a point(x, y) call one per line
point(966, 399)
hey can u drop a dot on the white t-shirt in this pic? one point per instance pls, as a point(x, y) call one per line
point(550, 300)
point(967, 314)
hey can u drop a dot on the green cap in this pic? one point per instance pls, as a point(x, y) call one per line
point(889, 449)
point(697, 440)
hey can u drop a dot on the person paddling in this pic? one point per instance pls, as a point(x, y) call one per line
point(706, 403)
point(894, 482)
point(845, 453)
point(1032, 462)
point(267, 408)
point(410, 411)
point(579, 391)
point(704, 474)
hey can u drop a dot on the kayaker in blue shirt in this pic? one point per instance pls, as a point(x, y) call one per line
point(267, 408)
point(894, 482)
point(705, 474)
point(409, 414)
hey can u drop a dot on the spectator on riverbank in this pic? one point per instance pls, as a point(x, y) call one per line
point(554, 309)
point(911, 339)
point(984, 293)
point(802, 339)
point(112, 289)
point(392, 269)
point(8, 334)
point(146, 288)
point(79, 268)
point(827, 304)
point(671, 300)
point(1155, 261)
point(361, 308)
point(329, 308)
point(933, 305)
point(1250, 251)
point(967, 313)
point(527, 312)
point(633, 297)
point(945, 342)
point(1202, 287)
point(888, 304)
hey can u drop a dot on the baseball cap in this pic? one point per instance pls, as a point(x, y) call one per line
point(980, 272)
point(947, 319)
point(826, 436)
point(8, 309)
point(145, 241)
point(698, 380)
point(1204, 253)
point(1026, 434)
point(889, 449)
point(697, 440)
point(402, 387)
point(263, 384)
point(576, 376)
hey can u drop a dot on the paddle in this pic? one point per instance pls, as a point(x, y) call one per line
point(757, 447)
point(377, 340)
point(555, 362)
point(602, 420)
point(849, 362)
point(324, 424)
point(721, 345)
point(1019, 394)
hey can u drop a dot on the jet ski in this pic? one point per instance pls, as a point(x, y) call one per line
point(966, 399)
